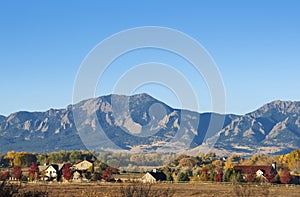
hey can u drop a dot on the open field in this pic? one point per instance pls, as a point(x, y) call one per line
point(179, 189)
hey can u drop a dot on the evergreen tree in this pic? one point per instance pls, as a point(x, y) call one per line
point(183, 177)
point(169, 177)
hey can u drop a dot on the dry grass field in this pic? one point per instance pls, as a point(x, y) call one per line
point(162, 189)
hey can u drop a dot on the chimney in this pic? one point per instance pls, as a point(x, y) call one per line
point(154, 170)
point(274, 165)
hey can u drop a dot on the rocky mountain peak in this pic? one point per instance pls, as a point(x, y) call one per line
point(141, 122)
point(277, 110)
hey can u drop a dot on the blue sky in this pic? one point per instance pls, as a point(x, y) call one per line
point(256, 45)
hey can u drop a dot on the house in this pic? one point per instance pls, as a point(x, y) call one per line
point(83, 166)
point(77, 177)
point(154, 176)
point(51, 172)
point(249, 173)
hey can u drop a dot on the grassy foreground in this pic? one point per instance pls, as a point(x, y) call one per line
point(159, 189)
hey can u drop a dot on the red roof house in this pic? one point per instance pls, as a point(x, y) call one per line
point(250, 173)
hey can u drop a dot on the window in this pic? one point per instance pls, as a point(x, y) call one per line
point(84, 165)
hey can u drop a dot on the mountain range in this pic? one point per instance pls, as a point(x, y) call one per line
point(141, 123)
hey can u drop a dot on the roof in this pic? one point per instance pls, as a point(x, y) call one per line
point(83, 161)
point(247, 169)
point(60, 166)
point(159, 176)
point(42, 168)
point(57, 167)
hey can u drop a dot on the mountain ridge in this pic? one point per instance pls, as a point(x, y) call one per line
point(142, 123)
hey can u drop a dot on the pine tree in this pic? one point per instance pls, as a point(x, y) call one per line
point(183, 177)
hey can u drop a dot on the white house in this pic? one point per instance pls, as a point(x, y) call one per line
point(259, 173)
point(50, 172)
point(77, 176)
point(153, 177)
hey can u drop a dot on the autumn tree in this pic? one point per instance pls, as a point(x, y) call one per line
point(67, 172)
point(219, 176)
point(209, 157)
point(4, 176)
point(217, 164)
point(187, 162)
point(10, 155)
point(293, 160)
point(262, 160)
point(204, 175)
point(107, 174)
point(18, 160)
point(17, 171)
point(270, 177)
point(33, 171)
point(285, 176)
point(232, 161)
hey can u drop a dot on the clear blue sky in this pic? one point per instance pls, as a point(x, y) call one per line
point(256, 45)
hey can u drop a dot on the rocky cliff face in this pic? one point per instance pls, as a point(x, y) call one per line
point(273, 128)
point(142, 123)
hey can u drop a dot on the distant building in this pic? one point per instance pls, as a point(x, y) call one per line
point(51, 172)
point(153, 177)
point(77, 177)
point(83, 165)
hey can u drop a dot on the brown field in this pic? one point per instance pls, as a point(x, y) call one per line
point(179, 189)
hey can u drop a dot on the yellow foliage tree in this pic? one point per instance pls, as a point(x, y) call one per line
point(293, 160)
point(233, 160)
point(10, 155)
